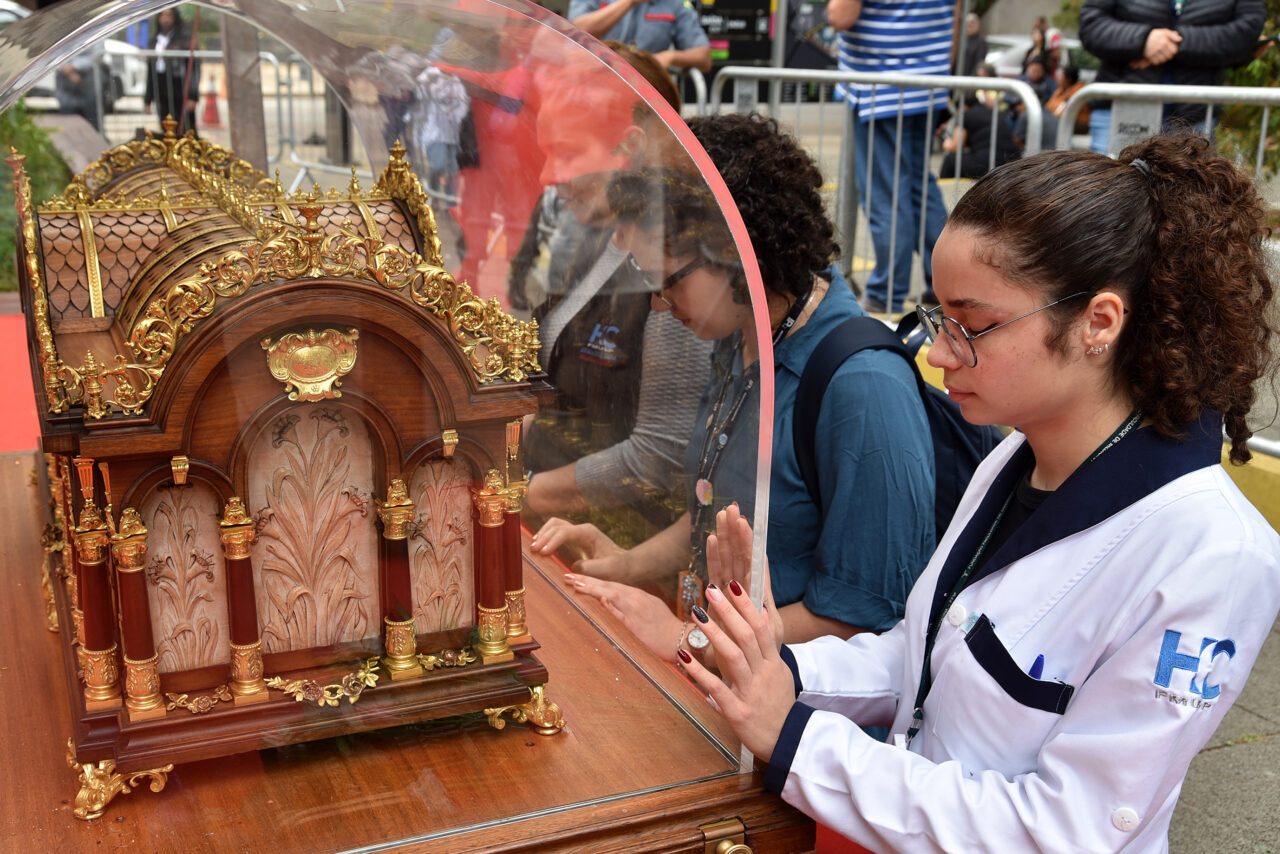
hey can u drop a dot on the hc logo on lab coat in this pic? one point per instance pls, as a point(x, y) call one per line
point(1199, 665)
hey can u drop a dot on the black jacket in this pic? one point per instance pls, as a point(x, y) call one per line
point(1216, 35)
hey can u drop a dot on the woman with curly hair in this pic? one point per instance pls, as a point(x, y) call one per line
point(839, 567)
point(1104, 588)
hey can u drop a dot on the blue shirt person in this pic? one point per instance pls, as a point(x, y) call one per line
point(901, 37)
point(668, 29)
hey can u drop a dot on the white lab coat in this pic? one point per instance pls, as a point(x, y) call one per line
point(987, 773)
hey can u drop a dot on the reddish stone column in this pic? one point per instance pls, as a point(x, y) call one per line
point(97, 635)
point(235, 529)
point(141, 664)
point(491, 603)
point(400, 638)
point(513, 564)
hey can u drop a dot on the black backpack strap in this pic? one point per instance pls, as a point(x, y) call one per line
point(852, 336)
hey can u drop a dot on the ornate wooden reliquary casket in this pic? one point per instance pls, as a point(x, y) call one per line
point(283, 452)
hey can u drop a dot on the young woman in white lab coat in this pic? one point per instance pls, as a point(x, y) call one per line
point(1104, 588)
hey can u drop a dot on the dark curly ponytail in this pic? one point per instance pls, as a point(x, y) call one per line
point(1179, 236)
point(1199, 333)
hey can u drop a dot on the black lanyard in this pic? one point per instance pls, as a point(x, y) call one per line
point(926, 670)
point(717, 439)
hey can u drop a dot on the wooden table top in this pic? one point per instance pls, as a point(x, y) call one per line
point(642, 761)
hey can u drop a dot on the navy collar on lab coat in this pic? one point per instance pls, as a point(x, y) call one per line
point(1130, 470)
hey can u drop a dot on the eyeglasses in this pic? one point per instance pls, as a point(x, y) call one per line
point(660, 287)
point(959, 338)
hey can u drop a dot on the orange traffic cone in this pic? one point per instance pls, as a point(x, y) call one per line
point(209, 117)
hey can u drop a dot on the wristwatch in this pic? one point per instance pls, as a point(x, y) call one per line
point(698, 641)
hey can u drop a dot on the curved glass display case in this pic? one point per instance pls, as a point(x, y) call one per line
point(298, 440)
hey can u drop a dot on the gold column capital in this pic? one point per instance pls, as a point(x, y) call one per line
point(129, 542)
point(91, 535)
point(491, 499)
point(235, 529)
point(397, 511)
point(514, 495)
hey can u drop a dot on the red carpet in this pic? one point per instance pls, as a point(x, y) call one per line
point(19, 427)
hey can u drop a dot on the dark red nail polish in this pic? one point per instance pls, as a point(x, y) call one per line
point(684, 656)
point(734, 587)
point(712, 587)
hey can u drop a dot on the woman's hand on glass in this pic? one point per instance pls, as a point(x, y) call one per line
point(645, 615)
point(587, 549)
point(729, 559)
point(757, 690)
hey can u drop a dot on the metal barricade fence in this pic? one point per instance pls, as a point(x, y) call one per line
point(809, 124)
point(698, 82)
point(295, 120)
point(1210, 96)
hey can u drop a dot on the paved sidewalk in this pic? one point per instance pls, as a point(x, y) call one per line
point(1230, 803)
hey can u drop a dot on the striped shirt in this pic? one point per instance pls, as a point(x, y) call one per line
point(897, 36)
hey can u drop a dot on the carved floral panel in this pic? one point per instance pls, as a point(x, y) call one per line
point(441, 550)
point(186, 587)
point(316, 557)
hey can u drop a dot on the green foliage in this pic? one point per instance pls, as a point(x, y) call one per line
point(1238, 132)
point(48, 172)
point(1068, 17)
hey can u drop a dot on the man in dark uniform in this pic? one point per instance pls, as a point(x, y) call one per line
point(668, 29)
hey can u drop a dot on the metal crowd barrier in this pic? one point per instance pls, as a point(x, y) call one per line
point(1210, 96)
point(291, 131)
point(746, 81)
point(698, 81)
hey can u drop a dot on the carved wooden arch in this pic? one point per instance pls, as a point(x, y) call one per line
point(159, 475)
point(385, 442)
point(479, 456)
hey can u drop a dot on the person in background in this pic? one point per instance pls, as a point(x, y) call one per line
point(627, 379)
point(1104, 588)
point(1038, 47)
point(1153, 42)
point(1069, 82)
point(975, 46)
point(981, 140)
point(1053, 51)
point(840, 566)
point(173, 83)
point(903, 36)
point(668, 29)
point(78, 85)
point(1037, 77)
point(1048, 125)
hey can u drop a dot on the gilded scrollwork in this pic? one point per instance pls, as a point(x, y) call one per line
point(539, 712)
point(312, 364)
point(200, 704)
point(498, 346)
point(99, 783)
point(350, 687)
point(446, 658)
point(54, 391)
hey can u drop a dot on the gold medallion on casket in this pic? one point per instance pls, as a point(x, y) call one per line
point(312, 363)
